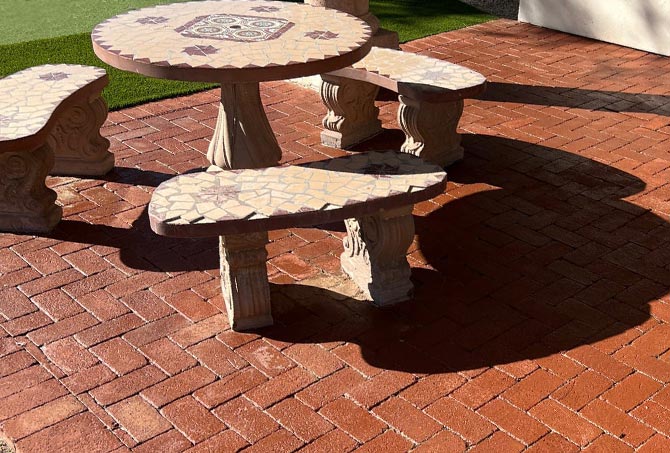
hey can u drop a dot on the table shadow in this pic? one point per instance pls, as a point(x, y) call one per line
point(571, 97)
point(540, 253)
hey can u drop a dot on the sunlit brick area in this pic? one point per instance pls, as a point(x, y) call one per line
point(540, 315)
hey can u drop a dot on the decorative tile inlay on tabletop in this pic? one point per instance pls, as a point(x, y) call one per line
point(257, 195)
point(321, 34)
point(268, 38)
point(235, 27)
point(152, 20)
point(200, 50)
point(265, 9)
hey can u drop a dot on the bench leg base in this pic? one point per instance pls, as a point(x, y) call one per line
point(244, 280)
point(352, 115)
point(26, 204)
point(78, 146)
point(374, 255)
point(430, 130)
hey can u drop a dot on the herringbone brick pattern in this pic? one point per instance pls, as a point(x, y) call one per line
point(541, 316)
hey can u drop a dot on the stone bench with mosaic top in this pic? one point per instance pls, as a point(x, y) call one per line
point(373, 192)
point(430, 92)
point(50, 119)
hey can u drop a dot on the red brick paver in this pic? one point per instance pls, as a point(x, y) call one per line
point(541, 312)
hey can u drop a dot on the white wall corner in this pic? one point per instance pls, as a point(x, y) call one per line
point(640, 24)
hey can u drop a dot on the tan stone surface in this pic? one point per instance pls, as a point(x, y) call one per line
point(417, 76)
point(231, 202)
point(231, 41)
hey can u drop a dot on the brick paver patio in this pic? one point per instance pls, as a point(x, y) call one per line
point(542, 277)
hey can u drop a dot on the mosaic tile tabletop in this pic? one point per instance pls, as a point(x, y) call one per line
point(29, 97)
point(408, 69)
point(241, 201)
point(231, 40)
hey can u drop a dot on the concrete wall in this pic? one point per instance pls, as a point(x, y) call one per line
point(641, 24)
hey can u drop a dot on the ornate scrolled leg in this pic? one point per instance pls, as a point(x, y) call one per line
point(78, 146)
point(430, 130)
point(243, 137)
point(26, 204)
point(375, 251)
point(244, 280)
point(352, 115)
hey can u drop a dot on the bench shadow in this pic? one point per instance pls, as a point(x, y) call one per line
point(137, 177)
point(140, 248)
point(539, 253)
point(609, 101)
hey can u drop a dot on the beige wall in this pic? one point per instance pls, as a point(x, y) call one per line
point(641, 24)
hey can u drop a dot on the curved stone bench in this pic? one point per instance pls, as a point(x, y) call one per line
point(374, 192)
point(431, 94)
point(50, 118)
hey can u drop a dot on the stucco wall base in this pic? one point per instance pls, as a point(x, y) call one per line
point(640, 24)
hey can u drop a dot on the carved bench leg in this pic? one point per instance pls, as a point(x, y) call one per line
point(374, 254)
point(352, 115)
point(430, 130)
point(26, 204)
point(244, 280)
point(76, 140)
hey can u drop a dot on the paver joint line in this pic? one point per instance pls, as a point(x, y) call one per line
point(540, 314)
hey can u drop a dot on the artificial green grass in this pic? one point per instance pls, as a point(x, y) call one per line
point(125, 88)
point(27, 20)
point(412, 19)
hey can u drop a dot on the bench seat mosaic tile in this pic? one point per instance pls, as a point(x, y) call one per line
point(405, 68)
point(230, 202)
point(29, 97)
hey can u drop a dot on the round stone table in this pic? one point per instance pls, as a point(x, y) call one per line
point(238, 43)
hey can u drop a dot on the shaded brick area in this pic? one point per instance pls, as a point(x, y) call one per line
point(541, 310)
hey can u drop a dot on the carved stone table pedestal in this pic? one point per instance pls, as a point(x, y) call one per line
point(243, 137)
